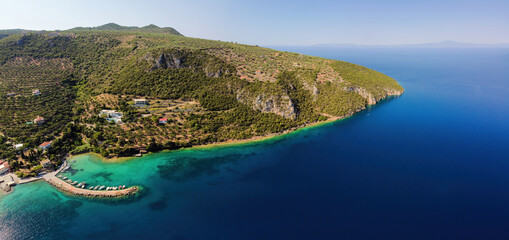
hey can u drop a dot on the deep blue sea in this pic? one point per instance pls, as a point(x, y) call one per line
point(431, 164)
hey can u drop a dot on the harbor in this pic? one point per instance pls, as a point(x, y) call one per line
point(59, 181)
point(82, 189)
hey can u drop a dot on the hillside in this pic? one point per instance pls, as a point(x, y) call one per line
point(205, 91)
point(115, 27)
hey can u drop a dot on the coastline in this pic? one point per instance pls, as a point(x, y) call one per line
point(253, 140)
point(61, 185)
point(229, 143)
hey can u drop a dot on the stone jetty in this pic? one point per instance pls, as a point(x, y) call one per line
point(66, 187)
point(52, 179)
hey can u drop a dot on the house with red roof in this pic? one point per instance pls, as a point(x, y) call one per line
point(45, 145)
point(163, 120)
point(4, 167)
point(39, 120)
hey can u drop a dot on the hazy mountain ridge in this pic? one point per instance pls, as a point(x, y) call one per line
point(115, 27)
point(443, 44)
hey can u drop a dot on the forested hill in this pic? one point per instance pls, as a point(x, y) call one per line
point(198, 92)
point(106, 27)
point(8, 32)
point(115, 27)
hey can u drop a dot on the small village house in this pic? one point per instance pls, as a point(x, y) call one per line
point(163, 120)
point(45, 145)
point(39, 120)
point(4, 167)
point(36, 92)
point(141, 101)
point(18, 146)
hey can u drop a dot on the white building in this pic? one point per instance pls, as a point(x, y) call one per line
point(111, 115)
point(141, 101)
point(4, 167)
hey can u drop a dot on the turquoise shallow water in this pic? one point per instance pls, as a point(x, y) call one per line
point(432, 164)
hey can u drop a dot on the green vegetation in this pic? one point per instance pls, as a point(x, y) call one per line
point(115, 27)
point(210, 91)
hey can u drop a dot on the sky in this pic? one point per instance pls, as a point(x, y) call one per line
point(272, 22)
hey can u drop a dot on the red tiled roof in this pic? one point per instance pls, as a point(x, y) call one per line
point(45, 144)
point(163, 119)
point(6, 164)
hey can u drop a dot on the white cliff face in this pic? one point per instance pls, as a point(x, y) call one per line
point(281, 105)
point(178, 61)
point(393, 92)
point(370, 99)
point(364, 93)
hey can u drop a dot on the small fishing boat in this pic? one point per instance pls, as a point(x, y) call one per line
point(90, 188)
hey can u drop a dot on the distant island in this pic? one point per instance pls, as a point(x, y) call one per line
point(126, 91)
point(442, 44)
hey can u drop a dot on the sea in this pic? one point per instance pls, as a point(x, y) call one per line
point(430, 164)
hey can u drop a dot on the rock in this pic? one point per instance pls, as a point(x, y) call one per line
point(179, 60)
point(393, 92)
point(312, 89)
point(281, 105)
point(364, 93)
point(161, 62)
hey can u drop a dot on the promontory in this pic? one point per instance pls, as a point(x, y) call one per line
point(125, 91)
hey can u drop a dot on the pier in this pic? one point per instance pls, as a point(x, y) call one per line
point(52, 179)
point(9, 180)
